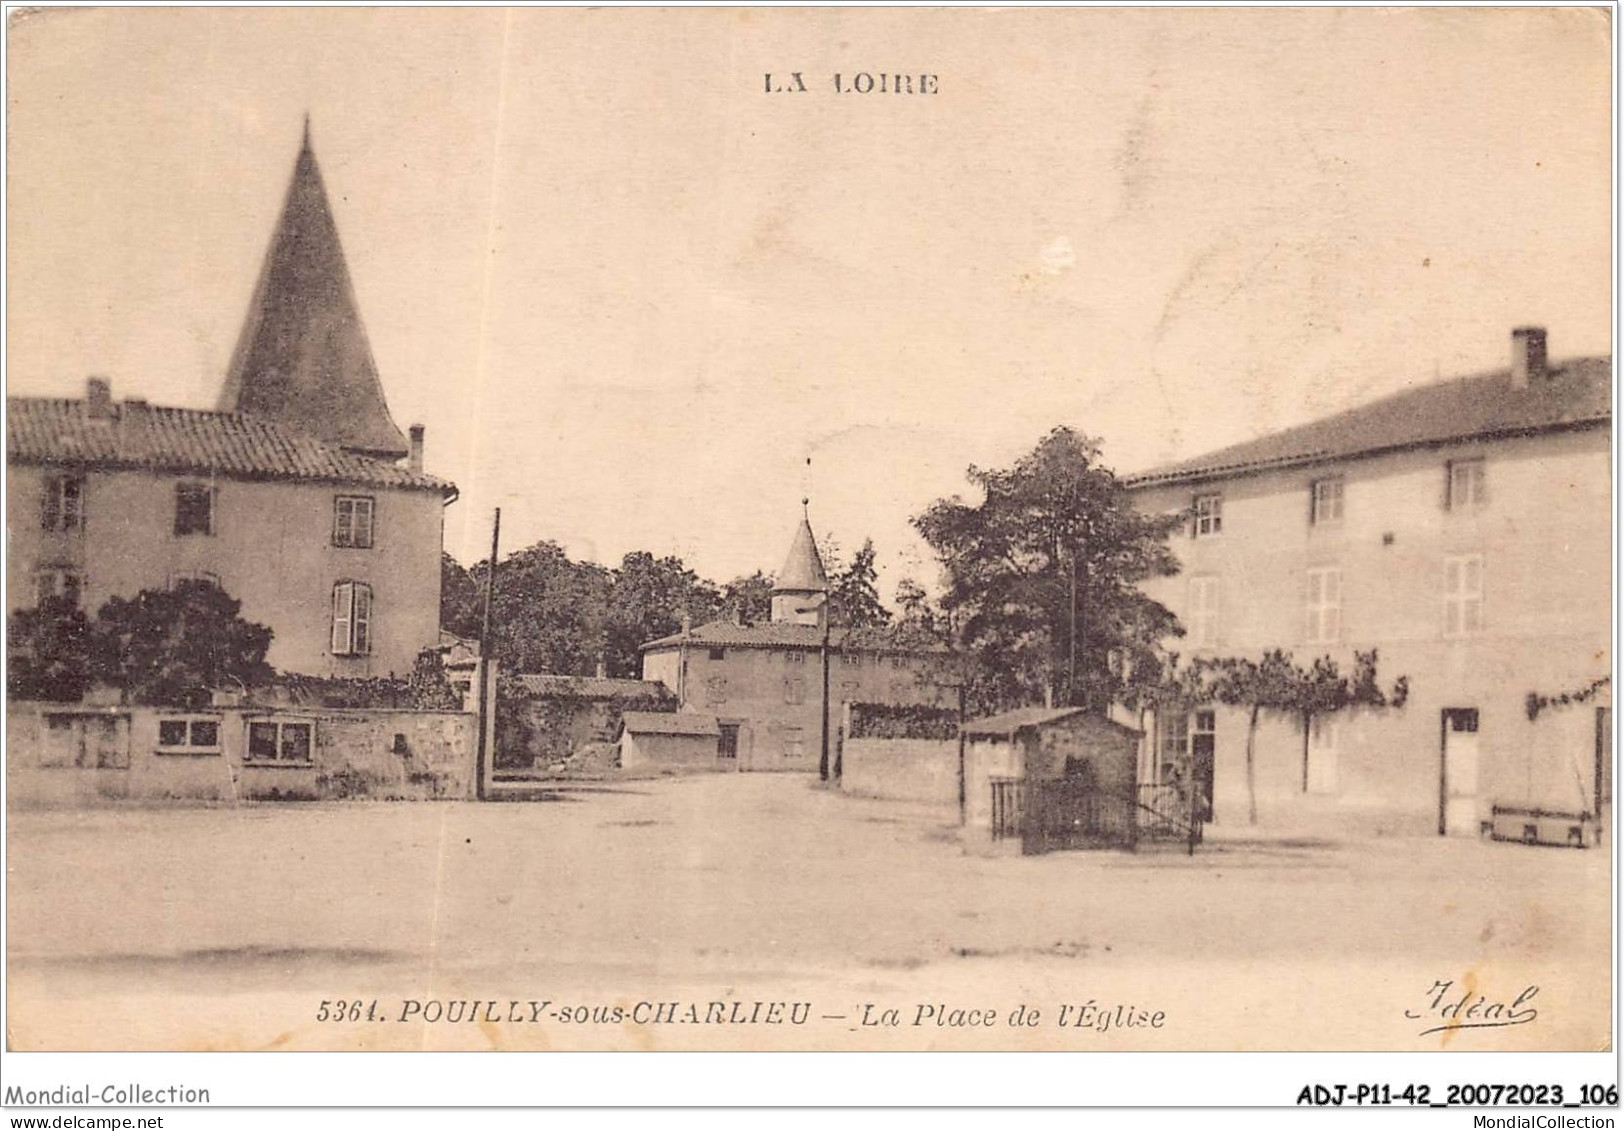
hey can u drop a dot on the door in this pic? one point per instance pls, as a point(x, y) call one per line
point(728, 749)
point(1458, 816)
point(1203, 745)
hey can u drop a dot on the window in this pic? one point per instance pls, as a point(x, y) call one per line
point(1463, 594)
point(899, 661)
point(849, 690)
point(795, 657)
point(352, 619)
point(1204, 612)
point(852, 659)
point(1209, 515)
point(795, 690)
point(194, 509)
point(189, 736)
point(718, 653)
point(794, 744)
point(86, 741)
point(352, 522)
point(1324, 606)
point(63, 503)
point(275, 740)
point(1322, 744)
point(1327, 502)
point(1466, 484)
point(57, 583)
point(715, 690)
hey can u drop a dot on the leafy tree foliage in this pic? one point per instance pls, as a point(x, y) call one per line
point(48, 652)
point(749, 598)
point(461, 599)
point(1042, 576)
point(647, 599)
point(173, 647)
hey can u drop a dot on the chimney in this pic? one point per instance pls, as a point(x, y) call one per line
point(414, 460)
point(603, 668)
point(1527, 355)
point(738, 614)
point(99, 398)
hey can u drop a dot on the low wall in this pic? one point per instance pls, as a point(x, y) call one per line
point(68, 754)
point(902, 769)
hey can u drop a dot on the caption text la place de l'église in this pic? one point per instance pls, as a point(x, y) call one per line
point(1093, 1015)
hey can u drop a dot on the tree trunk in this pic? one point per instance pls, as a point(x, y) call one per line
point(1251, 773)
point(1308, 722)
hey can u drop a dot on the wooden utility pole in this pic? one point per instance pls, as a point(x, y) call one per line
point(480, 751)
point(963, 793)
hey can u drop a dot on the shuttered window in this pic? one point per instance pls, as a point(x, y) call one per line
point(352, 619)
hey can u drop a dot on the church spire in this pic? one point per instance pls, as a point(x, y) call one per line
point(303, 358)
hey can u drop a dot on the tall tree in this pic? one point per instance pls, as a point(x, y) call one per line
point(550, 614)
point(461, 599)
point(749, 598)
point(854, 595)
point(648, 597)
point(1042, 574)
point(173, 647)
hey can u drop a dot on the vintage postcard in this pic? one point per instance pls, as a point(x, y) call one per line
point(809, 529)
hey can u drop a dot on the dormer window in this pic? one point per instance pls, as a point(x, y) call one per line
point(1209, 516)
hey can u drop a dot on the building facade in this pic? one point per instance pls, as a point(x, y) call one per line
point(765, 682)
point(299, 497)
point(1460, 529)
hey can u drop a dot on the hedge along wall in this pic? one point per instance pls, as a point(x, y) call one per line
point(888, 720)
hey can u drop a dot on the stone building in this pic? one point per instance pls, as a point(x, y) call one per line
point(1463, 529)
point(299, 495)
point(765, 682)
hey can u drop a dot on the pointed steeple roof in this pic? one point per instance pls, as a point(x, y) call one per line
point(803, 569)
point(303, 359)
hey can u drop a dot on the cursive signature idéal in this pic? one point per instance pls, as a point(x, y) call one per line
point(1472, 1010)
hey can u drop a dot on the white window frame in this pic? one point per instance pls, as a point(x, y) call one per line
point(1327, 501)
point(795, 657)
point(282, 725)
point(1322, 609)
point(1463, 603)
point(1205, 603)
point(353, 617)
point(189, 725)
point(1209, 515)
point(347, 523)
point(1467, 488)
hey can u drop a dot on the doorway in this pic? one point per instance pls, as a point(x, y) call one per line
point(1458, 773)
point(1203, 745)
point(728, 747)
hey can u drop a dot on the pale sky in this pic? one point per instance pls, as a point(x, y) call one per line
point(630, 293)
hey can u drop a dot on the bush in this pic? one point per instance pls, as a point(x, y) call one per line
point(884, 720)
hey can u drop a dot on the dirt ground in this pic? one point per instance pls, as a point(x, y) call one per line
point(684, 903)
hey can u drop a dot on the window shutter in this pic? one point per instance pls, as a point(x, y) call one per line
point(362, 619)
point(50, 509)
point(343, 605)
point(342, 528)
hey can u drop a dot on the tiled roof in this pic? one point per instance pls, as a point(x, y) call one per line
point(1572, 394)
point(1007, 723)
point(591, 687)
point(719, 633)
point(670, 722)
point(189, 441)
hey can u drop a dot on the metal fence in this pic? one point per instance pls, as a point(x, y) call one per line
point(1069, 813)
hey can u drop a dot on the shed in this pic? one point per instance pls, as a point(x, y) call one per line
point(1047, 744)
point(668, 740)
